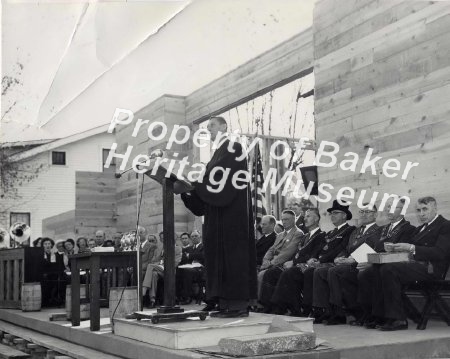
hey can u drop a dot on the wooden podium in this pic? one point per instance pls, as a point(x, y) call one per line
point(18, 266)
point(169, 310)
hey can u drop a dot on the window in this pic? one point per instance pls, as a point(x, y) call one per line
point(112, 165)
point(58, 158)
point(19, 217)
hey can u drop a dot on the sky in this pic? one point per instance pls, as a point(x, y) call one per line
point(66, 66)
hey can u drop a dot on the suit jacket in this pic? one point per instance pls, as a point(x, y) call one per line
point(150, 255)
point(310, 248)
point(371, 237)
point(197, 255)
point(185, 254)
point(283, 249)
point(402, 233)
point(336, 240)
point(433, 245)
point(262, 246)
point(177, 255)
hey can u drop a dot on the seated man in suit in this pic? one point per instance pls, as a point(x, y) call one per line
point(336, 241)
point(430, 251)
point(151, 249)
point(287, 296)
point(295, 287)
point(186, 247)
point(328, 292)
point(299, 208)
point(369, 299)
point(267, 240)
point(190, 275)
point(283, 250)
point(153, 252)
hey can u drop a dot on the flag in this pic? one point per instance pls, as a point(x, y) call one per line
point(258, 200)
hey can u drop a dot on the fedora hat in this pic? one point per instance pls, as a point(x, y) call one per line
point(339, 207)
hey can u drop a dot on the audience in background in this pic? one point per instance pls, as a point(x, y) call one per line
point(37, 242)
point(82, 245)
point(99, 238)
point(299, 274)
point(53, 277)
point(91, 243)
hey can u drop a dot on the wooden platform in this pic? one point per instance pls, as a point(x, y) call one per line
point(194, 333)
point(348, 342)
point(113, 345)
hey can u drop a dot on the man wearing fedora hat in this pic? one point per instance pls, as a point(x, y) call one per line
point(335, 242)
point(335, 287)
point(298, 280)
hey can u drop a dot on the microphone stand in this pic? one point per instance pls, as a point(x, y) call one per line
point(138, 246)
point(138, 238)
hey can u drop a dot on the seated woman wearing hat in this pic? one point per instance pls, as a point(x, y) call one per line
point(53, 277)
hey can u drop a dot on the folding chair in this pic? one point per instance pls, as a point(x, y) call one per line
point(433, 291)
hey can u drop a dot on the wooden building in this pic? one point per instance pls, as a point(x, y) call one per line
point(382, 77)
point(382, 81)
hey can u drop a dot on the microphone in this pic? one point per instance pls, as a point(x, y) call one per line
point(154, 154)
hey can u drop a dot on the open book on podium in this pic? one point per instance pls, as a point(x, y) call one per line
point(163, 172)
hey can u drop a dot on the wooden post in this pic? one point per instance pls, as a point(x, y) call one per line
point(75, 293)
point(169, 243)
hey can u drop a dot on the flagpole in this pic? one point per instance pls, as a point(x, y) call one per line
point(255, 188)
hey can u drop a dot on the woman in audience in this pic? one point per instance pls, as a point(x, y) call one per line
point(91, 243)
point(82, 245)
point(53, 278)
point(69, 246)
point(60, 246)
point(37, 242)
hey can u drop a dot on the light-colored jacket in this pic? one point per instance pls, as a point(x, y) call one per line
point(151, 256)
point(283, 249)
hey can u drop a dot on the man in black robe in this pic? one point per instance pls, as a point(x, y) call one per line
point(229, 241)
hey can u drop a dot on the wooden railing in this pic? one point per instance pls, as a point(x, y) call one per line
point(18, 266)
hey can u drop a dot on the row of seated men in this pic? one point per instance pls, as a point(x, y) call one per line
point(189, 261)
point(314, 274)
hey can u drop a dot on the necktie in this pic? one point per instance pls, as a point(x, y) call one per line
point(284, 238)
point(390, 229)
point(307, 238)
point(363, 228)
point(424, 227)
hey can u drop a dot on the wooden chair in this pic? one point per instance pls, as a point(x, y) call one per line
point(433, 291)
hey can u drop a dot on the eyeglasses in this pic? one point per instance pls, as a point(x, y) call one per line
point(365, 211)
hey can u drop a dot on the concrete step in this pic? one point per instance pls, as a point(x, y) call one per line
point(42, 342)
point(6, 352)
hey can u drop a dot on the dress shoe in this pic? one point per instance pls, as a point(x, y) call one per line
point(186, 301)
point(335, 320)
point(210, 307)
point(320, 319)
point(359, 320)
point(374, 323)
point(226, 313)
point(392, 325)
point(356, 323)
point(150, 304)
